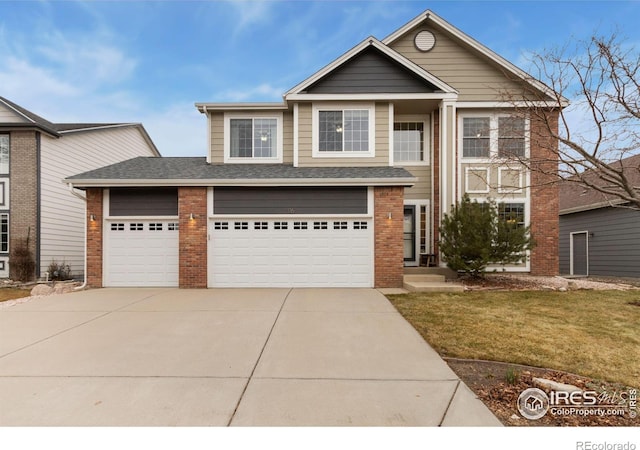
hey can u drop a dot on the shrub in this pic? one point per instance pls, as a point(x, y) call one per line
point(22, 261)
point(59, 271)
point(472, 237)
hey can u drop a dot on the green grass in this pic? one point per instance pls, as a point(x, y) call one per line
point(13, 293)
point(590, 333)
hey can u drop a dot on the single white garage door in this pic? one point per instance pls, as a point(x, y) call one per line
point(291, 252)
point(141, 253)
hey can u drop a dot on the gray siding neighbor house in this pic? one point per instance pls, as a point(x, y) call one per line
point(599, 235)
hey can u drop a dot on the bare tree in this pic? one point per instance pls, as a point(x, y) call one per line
point(594, 139)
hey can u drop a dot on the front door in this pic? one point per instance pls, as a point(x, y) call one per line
point(409, 233)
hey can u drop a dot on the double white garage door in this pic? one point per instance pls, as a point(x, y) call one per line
point(317, 252)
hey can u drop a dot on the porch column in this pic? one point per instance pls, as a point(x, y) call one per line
point(448, 188)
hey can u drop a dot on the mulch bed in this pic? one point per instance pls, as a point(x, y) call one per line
point(488, 380)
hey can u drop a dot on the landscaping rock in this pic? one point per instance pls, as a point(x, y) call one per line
point(41, 289)
point(64, 287)
point(554, 385)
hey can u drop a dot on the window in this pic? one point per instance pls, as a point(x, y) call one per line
point(408, 141)
point(253, 139)
point(260, 225)
point(340, 131)
point(173, 226)
point(490, 136)
point(319, 225)
point(117, 227)
point(136, 227)
point(221, 225)
point(241, 225)
point(4, 233)
point(346, 131)
point(300, 225)
point(4, 154)
point(339, 225)
point(512, 212)
point(280, 225)
point(359, 225)
point(510, 137)
point(476, 137)
point(155, 227)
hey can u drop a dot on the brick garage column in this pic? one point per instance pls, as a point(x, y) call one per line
point(388, 236)
point(544, 198)
point(94, 237)
point(193, 237)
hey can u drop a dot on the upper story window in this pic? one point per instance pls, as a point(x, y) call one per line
point(343, 131)
point(494, 135)
point(252, 139)
point(4, 154)
point(408, 142)
point(512, 212)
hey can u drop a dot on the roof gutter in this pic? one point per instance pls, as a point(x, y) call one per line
point(404, 181)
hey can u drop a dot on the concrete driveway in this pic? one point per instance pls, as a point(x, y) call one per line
point(218, 357)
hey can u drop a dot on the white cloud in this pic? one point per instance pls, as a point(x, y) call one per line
point(251, 12)
point(262, 92)
point(179, 130)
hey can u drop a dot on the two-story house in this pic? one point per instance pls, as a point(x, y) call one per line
point(35, 203)
point(343, 183)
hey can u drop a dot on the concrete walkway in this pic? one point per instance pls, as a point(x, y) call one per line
point(218, 357)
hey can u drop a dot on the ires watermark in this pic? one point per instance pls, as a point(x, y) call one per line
point(534, 403)
point(589, 445)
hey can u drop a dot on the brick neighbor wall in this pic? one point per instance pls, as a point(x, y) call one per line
point(94, 237)
point(388, 236)
point(23, 172)
point(193, 237)
point(544, 197)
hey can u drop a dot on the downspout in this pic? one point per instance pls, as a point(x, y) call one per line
point(84, 199)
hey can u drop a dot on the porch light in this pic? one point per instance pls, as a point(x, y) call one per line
point(92, 217)
point(389, 216)
point(191, 216)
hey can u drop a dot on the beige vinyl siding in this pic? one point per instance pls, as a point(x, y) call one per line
point(287, 142)
point(422, 189)
point(474, 77)
point(217, 137)
point(305, 154)
point(62, 214)
point(8, 115)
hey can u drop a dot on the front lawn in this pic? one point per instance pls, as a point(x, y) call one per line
point(13, 293)
point(590, 333)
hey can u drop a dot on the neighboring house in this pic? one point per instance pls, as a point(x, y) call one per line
point(343, 183)
point(35, 157)
point(599, 234)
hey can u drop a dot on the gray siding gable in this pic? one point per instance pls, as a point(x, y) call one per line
point(370, 72)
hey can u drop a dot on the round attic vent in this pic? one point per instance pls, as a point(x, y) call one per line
point(425, 40)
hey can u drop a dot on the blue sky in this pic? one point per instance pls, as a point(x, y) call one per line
point(149, 62)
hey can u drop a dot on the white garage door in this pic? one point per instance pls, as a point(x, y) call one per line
point(141, 253)
point(291, 252)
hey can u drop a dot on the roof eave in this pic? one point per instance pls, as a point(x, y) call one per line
point(95, 183)
point(206, 107)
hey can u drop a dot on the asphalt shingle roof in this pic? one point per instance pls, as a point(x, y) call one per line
point(196, 168)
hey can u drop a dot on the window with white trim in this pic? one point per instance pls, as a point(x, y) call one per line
point(512, 213)
point(408, 142)
point(4, 154)
point(340, 131)
point(493, 135)
point(253, 138)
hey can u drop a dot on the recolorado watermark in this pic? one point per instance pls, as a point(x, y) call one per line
point(588, 445)
point(534, 403)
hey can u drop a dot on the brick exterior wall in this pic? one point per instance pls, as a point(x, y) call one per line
point(545, 226)
point(193, 237)
point(389, 249)
point(94, 237)
point(23, 173)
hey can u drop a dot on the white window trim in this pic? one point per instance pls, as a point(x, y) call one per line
point(426, 137)
point(507, 190)
point(278, 116)
point(428, 232)
point(487, 170)
point(493, 136)
point(315, 129)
